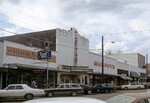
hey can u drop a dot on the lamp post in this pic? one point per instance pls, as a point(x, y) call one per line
point(102, 79)
point(45, 54)
point(47, 74)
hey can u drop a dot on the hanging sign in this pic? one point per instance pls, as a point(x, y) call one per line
point(44, 54)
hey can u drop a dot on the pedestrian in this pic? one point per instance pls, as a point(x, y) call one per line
point(33, 84)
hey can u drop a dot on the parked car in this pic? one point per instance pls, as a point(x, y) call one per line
point(20, 91)
point(142, 97)
point(132, 86)
point(87, 89)
point(63, 89)
point(66, 100)
point(146, 85)
point(106, 88)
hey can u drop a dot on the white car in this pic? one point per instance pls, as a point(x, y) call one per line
point(66, 100)
point(132, 86)
point(20, 91)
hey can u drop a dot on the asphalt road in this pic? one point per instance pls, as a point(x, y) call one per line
point(101, 96)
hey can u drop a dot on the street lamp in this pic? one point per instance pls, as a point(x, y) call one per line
point(102, 59)
point(102, 79)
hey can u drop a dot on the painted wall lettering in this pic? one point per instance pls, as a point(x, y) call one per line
point(12, 51)
point(106, 65)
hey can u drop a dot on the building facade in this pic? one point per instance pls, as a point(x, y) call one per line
point(70, 61)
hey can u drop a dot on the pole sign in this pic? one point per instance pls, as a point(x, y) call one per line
point(44, 54)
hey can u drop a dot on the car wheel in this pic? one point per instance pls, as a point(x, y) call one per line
point(98, 90)
point(106, 91)
point(73, 93)
point(114, 90)
point(29, 96)
point(125, 88)
point(50, 94)
point(138, 88)
point(111, 91)
point(89, 92)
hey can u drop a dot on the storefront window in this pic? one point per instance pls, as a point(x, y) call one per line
point(67, 81)
point(78, 80)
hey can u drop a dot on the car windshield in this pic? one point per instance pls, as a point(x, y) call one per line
point(121, 99)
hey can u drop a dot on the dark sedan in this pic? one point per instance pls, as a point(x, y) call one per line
point(87, 89)
point(104, 88)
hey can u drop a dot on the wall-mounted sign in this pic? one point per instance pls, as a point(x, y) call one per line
point(38, 71)
point(20, 53)
point(106, 65)
point(17, 52)
point(44, 54)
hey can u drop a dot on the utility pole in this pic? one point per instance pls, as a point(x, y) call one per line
point(147, 67)
point(102, 59)
point(47, 74)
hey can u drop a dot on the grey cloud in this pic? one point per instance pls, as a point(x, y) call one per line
point(12, 1)
point(93, 16)
point(81, 9)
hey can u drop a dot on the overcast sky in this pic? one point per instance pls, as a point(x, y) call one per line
point(127, 22)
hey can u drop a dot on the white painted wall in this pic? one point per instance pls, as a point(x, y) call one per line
point(129, 68)
point(83, 51)
point(65, 48)
point(95, 57)
point(136, 69)
point(1, 53)
point(131, 58)
point(123, 66)
point(13, 59)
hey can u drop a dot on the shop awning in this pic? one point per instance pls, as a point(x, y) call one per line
point(31, 67)
point(126, 78)
point(3, 69)
point(134, 74)
point(143, 76)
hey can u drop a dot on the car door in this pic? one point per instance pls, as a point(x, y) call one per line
point(68, 89)
point(20, 92)
point(98, 88)
point(133, 86)
point(60, 90)
point(10, 91)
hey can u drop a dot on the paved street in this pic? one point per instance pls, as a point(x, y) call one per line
point(97, 96)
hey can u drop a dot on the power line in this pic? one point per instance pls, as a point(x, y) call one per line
point(39, 39)
point(10, 24)
point(59, 44)
point(26, 20)
point(83, 2)
point(8, 31)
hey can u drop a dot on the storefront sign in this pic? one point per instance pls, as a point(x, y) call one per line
point(106, 65)
point(12, 51)
point(20, 53)
point(38, 71)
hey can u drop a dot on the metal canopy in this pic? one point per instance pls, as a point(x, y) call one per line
point(134, 74)
point(126, 78)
